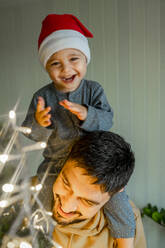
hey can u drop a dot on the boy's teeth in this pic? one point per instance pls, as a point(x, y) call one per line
point(67, 79)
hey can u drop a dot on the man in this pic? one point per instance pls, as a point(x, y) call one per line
point(100, 164)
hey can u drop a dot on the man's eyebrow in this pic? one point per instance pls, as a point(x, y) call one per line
point(65, 177)
point(92, 201)
point(86, 199)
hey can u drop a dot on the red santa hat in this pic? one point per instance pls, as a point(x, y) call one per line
point(60, 32)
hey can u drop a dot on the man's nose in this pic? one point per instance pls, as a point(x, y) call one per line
point(69, 204)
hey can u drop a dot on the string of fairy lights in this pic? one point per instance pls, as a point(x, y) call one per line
point(12, 192)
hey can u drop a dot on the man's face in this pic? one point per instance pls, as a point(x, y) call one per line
point(75, 197)
point(67, 68)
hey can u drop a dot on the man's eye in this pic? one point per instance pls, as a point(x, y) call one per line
point(89, 203)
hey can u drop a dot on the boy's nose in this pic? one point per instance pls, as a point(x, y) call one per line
point(66, 68)
point(69, 204)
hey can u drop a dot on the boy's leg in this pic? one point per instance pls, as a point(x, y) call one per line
point(120, 216)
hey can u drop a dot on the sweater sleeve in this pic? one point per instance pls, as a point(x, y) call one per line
point(100, 114)
point(38, 133)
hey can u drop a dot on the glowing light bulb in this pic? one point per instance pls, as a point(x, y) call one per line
point(43, 144)
point(11, 245)
point(23, 129)
point(25, 244)
point(32, 188)
point(8, 187)
point(49, 213)
point(38, 187)
point(3, 203)
point(28, 130)
point(4, 158)
point(12, 114)
point(37, 146)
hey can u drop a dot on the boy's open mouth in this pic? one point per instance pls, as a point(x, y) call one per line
point(69, 79)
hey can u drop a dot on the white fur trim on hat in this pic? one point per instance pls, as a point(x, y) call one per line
point(60, 40)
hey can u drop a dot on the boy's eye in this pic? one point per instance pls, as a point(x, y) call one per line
point(55, 63)
point(74, 58)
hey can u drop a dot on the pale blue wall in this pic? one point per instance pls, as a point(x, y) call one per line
point(128, 59)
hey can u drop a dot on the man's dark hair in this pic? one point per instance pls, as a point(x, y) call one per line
point(107, 157)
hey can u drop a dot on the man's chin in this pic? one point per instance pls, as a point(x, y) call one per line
point(62, 221)
point(76, 218)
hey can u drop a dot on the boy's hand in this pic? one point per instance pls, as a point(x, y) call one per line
point(79, 110)
point(41, 114)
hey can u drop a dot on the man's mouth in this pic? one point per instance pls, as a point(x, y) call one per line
point(64, 214)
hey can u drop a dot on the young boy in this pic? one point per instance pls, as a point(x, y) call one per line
point(70, 104)
point(63, 109)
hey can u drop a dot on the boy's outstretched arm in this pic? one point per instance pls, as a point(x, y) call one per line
point(95, 113)
point(125, 243)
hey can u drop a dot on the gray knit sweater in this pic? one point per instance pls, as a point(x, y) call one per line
point(66, 126)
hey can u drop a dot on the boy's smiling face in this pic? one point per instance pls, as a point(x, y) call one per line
point(76, 198)
point(67, 68)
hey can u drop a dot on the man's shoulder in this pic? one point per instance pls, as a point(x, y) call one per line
point(135, 209)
